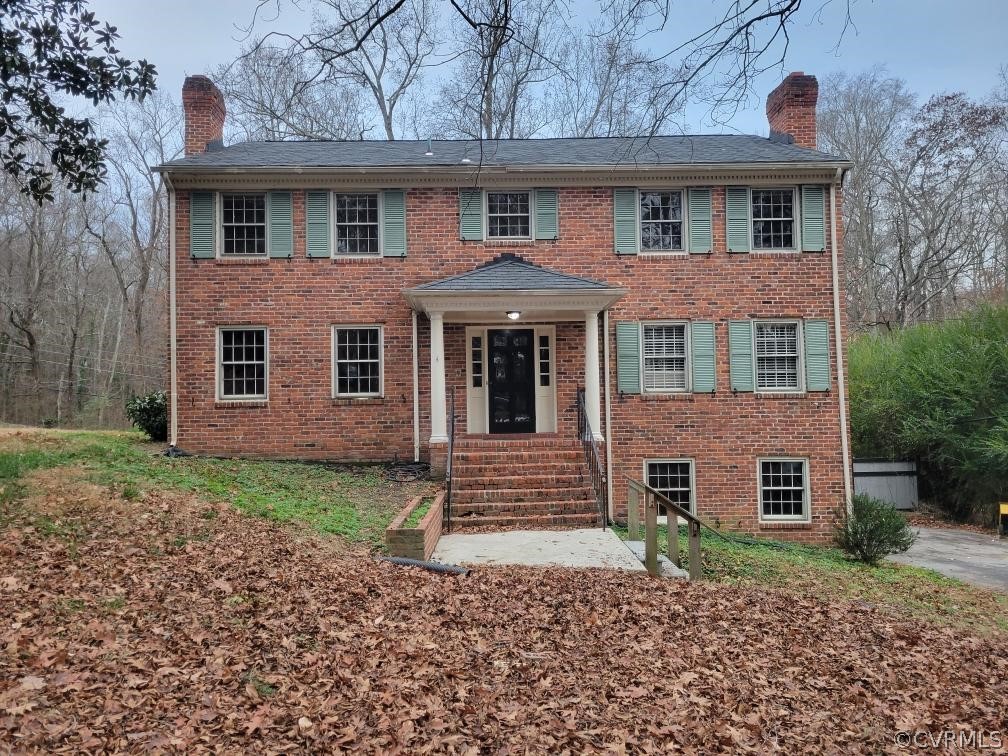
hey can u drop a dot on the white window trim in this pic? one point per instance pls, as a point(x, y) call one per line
point(333, 239)
point(381, 360)
point(684, 250)
point(807, 516)
point(486, 215)
point(692, 478)
point(219, 373)
point(688, 364)
point(800, 389)
point(796, 204)
point(219, 230)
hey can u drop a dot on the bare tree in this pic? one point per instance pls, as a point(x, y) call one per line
point(271, 95)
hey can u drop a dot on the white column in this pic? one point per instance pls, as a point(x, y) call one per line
point(439, 414)
point(592, 397)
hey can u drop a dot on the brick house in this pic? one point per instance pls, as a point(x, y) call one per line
point(333, 300)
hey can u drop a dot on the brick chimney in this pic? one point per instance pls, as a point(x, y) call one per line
point(204, 110)
point(791, 109)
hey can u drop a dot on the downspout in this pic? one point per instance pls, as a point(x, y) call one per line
point(838, 339)
point(172, 314)
point(416, 393)
point(608, 415)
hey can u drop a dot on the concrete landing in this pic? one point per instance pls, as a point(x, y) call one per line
point(584, 547)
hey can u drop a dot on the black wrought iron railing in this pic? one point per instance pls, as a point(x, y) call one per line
point(448, 463)
point(593, 458)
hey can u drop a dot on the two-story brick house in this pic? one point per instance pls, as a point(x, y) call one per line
point(332, 300)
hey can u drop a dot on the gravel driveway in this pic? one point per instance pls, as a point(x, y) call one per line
point(974, 558)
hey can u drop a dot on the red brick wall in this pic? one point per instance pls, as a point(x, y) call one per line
point(299, 299)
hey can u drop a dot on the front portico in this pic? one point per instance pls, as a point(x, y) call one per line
point(511, 311)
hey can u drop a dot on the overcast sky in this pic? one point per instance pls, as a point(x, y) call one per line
point(933, 44)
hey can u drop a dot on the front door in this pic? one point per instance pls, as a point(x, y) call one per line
point(512, 381)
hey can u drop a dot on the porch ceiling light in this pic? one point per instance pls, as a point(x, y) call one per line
point(514, 315)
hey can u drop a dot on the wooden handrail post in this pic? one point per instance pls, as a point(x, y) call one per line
point(672, 520)
point(651, 534)
point(695, 567)
point(633, 514)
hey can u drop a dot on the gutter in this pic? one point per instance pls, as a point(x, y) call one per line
point(838, 339)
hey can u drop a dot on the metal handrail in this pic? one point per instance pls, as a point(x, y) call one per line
point(593, 458)
point(652, 498)
point(448, 463)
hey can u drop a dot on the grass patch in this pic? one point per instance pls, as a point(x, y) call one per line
point(354, 503)
point(413, 521)
point(828, 573)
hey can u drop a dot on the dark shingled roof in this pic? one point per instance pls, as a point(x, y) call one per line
point(603, 151)
point(510, 272)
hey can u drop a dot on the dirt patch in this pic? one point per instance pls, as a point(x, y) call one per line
point(165, 623)
point(932, 520)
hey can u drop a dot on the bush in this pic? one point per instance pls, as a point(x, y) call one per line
point(150, 414)
point(938, 394)
point(873, 530)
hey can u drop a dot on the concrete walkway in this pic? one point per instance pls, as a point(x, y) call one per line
point(588, 547)
point(971, 557)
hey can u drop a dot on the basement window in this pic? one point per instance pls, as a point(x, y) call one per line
point(357, 361)
point(784, 489)
point(672, 478)
point(242, 368)
point(243, 225)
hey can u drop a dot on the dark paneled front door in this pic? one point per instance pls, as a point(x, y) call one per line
point(512, 381)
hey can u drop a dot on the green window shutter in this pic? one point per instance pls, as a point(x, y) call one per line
point(737, 218)
point(317, 224)
point(817, 363)
point(202, 224)
point(740, 355)
point(813, 222)
point(628, 358)
point(701, 239)
point(471, 214)
point(625, 221)
point(702, 345)
point(281, 225)
point(546, 225)
point(394, 223)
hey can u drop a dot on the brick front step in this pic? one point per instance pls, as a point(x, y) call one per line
point(538, 441)
point(545, 493)
point(539, 521)
point(505, 458)
point(523, 508)
point(537, 477)
point(523, 471)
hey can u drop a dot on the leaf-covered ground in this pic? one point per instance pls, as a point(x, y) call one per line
point(163, 623)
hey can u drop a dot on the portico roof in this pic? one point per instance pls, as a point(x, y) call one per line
point(511, 283)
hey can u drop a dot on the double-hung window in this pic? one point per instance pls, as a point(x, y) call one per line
point(672, 478)
point(357, 361)
point(664, 356)
point(773, 219)
point(242, 363)
point(778, 356)
point(357, 226)
point(661, 221)
point(509, 215)
point(783, 489)
point(243, 225)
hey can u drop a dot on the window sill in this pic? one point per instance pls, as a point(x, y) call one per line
point(355, 401)
point(677, 396)
point(511, 242)
point(773, 252)
point(781, 394)
point(785, 525)
point(241, 403)
point(241, 261)
point(664, 253)
point(348, 259)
